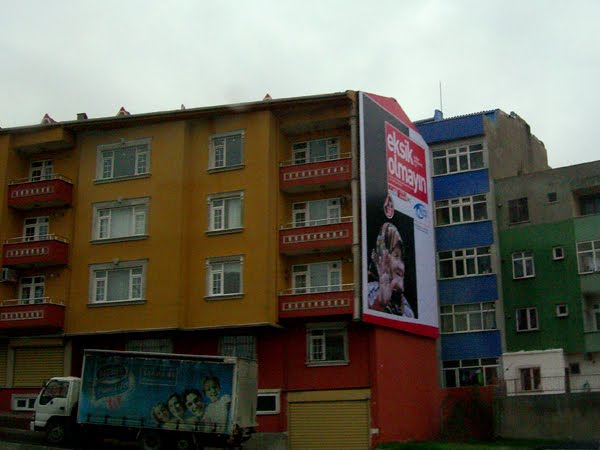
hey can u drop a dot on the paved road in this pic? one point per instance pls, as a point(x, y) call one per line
point(15, 439)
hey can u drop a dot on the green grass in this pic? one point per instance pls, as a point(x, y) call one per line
point(504, 444)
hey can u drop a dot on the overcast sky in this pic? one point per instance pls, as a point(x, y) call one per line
point(539, 58)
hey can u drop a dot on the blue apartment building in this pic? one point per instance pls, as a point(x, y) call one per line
point(468, 152)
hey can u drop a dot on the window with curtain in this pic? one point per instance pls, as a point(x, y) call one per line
point(317, 277)
point(224, 276)
point(120, 219)
point(225, 211)
point(118, 282)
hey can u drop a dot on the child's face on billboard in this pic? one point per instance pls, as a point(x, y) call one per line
point(212, 390)
point(194, 404)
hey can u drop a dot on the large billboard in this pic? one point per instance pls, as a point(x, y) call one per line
point(398, 248)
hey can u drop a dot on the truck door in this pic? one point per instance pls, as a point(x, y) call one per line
point(53, 400)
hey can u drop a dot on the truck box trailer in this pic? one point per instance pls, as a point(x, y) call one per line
point(163, 400)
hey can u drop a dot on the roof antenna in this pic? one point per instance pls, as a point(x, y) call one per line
point(441, 104)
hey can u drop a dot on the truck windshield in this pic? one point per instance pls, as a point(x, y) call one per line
point(54, 389)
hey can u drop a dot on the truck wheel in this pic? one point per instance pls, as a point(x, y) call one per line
point(183, 444)
point(150, 440)
point(56, 431)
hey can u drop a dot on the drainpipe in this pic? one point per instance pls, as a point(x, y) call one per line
point(355, 186)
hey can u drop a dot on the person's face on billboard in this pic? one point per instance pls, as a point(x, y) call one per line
point(175, 406)
point(194, 404)
point(212, 390)
point(397, 269)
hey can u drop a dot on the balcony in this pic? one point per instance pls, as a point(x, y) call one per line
point(293, 303)
point(38, 313)
point(313, 176)
point(38, 251)
point(46, 138)
point(55, 191)
point(317, 235)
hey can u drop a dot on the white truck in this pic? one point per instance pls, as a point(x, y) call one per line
point(162, 400)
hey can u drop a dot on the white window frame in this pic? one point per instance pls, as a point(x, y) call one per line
point(303, 272)
point(301, 213)
point(28, 398)
point(31, 283)
point(519, 205)
point(460, 258)
point(214, 163)
point(105, 159)
point(102, 221)
point(530, 312)
point(462, 314)
point(316, 336)
point(243, 346)
point(215, 273)
point(482, 364)
point(301, 151)
point(454, 157)
point(270, 393)
point(40, 226)
point(558, 253)
point(99, 281)
point(532, 371)
point(593, 254)
point(562, 310)
point(459, 208)
point(523, 258)
point(41, 170)
point(217, 211)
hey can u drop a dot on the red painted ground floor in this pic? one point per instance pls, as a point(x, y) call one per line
point(320, 383)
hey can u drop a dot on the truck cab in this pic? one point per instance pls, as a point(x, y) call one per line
point(56, 408)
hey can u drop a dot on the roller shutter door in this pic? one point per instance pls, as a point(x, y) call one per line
point(3, 358)
point(329, 425)
point(33, 365)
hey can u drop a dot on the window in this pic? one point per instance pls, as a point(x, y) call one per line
point(596, 317)
point(120, 219)
point(225, 211)
point(23, 402)
point(118, 282)
point(589, 204)
point(224, 276)
point(468, 317)
point(318, 212)
point(527, 319)
point(125, 159)
point(31, 290)
point(588, 256)
point(149, 345)
point(327, 344)
point(268, 401)
point(459, 159)
point(562, 310)
point(530, 379)
point(461, 210)
point(470, 372)
point(317, 277)
point(522, 263)
point(241, 346)
point(226, 150)
point(558, 253)
point(35, 229)
point(40, 170)
point(518, 211)
point(54, 389)
point(316, 150)
point(552, 197)
point(465, 262)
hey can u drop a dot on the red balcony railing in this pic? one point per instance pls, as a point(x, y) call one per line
point(339, 300)
point(30, 193)
point(35, 313)
point(317, 235)
point(315, 175)
point(37, 251)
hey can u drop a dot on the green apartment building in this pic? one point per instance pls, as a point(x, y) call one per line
point(549, 230)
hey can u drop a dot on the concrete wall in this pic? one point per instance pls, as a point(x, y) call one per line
point(563, 416)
